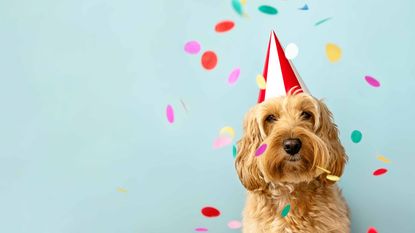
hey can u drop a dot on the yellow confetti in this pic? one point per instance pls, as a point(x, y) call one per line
point(333, 178)
point(229, 130)
point(122, 190)
point(333, 52)
point(323, 169)
point(243, 2)
point(383, 159)
point(260, 81)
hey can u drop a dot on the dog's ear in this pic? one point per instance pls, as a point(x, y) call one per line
point(328, 131)
point(246, 163)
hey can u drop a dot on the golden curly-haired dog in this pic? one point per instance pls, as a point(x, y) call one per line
point(300, 137)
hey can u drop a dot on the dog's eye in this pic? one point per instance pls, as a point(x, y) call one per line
point(306, 115)
point(270, 118)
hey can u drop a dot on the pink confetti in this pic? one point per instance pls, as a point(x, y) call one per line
point(221, 141)
point(372, 81)
point(261, 150)
point(192, 47)
point(233, 77)
point(201, 229)
point(170, 114)
point(234, 224)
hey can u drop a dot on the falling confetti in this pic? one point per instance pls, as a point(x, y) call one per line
point(323, 169)
point(291, 51)
point(234, 151)
point(170, 114)
point(333, 177)
point(221, 141)
point(380, 171)
point(333, 52)
point(304, 8)
point(322, 21)
point(233, 77)
point(356, 136)
point(201, 229)
point(227, 130)
point(372, 81)
point(243, 2)
point(210, 212)
point(372, 230)
point(383, 159)
point(268, 10)
point(234, 224)
point(121, 190)
point(184, 105)
point(192, 47)
point(224, 26)
point(260, 81)
point(209, 60)
point(236, 4)
point(286, 210)
point(261, 149)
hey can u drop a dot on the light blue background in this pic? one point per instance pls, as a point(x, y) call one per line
point(84, 85)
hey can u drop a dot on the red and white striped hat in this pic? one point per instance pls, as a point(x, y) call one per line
point(279, 73)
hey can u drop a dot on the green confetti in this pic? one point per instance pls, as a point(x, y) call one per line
point(285, 211)
point(236, 4)
point(322, 21)
point(234, 151)
point(356, 136)
point(268, 10)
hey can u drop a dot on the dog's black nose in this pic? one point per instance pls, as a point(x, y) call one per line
point(292, 145)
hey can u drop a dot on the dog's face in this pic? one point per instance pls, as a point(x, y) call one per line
point(300, 135)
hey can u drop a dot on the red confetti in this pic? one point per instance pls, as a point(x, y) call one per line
point(224, 26)
point(380, 171)
point(372, 230)
point(209, 60)
point(210, 212)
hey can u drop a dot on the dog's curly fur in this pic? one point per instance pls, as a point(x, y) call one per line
point(273, 180)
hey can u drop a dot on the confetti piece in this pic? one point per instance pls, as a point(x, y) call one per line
point(372, 230)
point(122, 190)
point(233, 77)
point(224, 26)
point(304, 8)
point(322, 21)
point(243, 2)
point(286, 210)
point(234, 151)
point(268, 10)
point(210, 212)
point(291, 51)
point(184, 105)
point(372, 81)
point(234, 224)
point(383, 159)
point(356, 136)
point(380, 171)
point(192, 47)
point(227, 130)
point(333, 177)
point(170, 114)
point(261, 149)
point(201, 229)
point(236, 4)
point(333, 52)
point(221, 142)
point(209, 60)
point(260, 81)
point(323, 169)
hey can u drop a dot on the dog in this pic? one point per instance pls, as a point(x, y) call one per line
point(303, 147)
